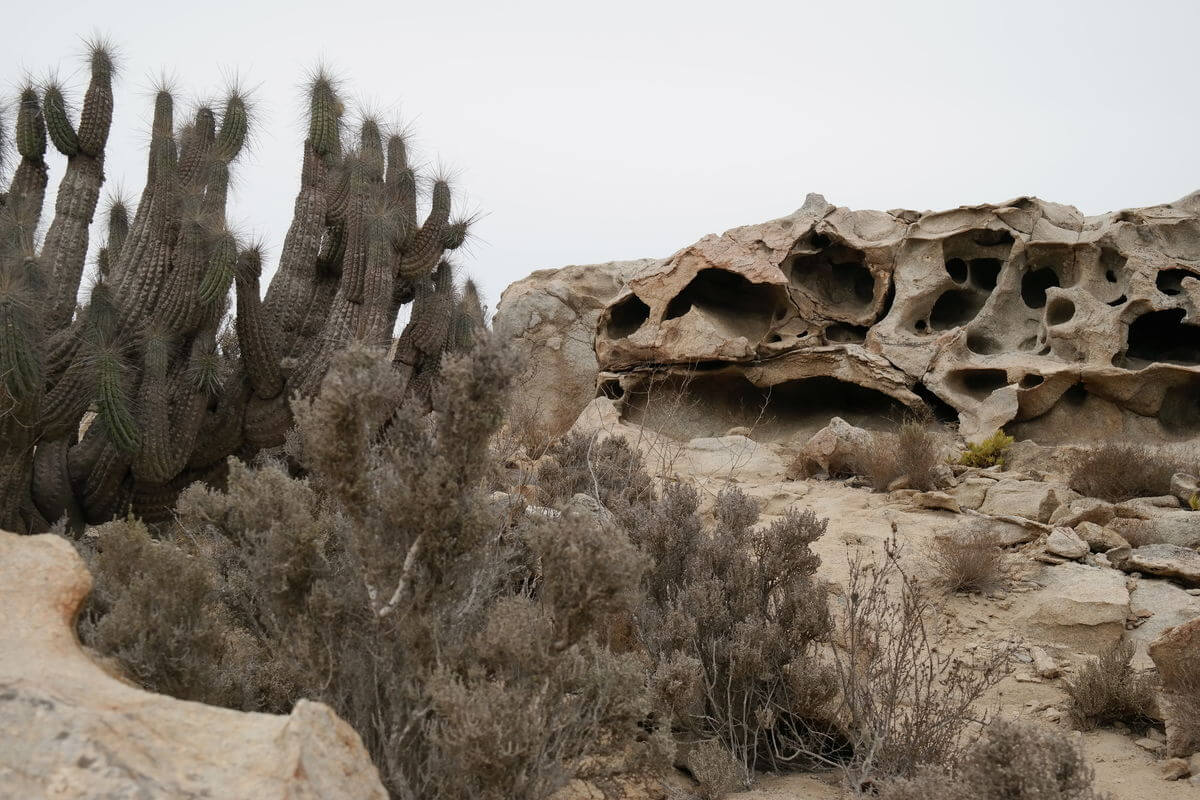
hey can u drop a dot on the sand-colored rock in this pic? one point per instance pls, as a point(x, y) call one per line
point(549, 318)
point(1024, 314)
point(1160, 604)
point(1032, 500)
point(1099, 538)
point(1066, 543)
point(1176, 653)
point(70, 730)
point(1163, 560)
point(838, 448)
point(1081, 607)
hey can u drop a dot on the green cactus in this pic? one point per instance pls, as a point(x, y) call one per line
point(176, 387)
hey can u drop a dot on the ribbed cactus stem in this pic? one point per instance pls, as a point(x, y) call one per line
point(113, 410)
point(235, 122)
point(325, 113)
point(196, 145)
point(426, 249)
point(96, 117)
point(214, 286)
point(163, 152)
point(255, 336)
point(118, 226)
point(31, 126)
point(58, 123)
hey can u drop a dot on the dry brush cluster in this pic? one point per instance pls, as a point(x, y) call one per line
point(177, 386)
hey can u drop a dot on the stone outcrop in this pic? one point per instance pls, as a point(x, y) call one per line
point(1176, 653)
point(1081, 607)
point(550, 319)
point(71, 730)
point(1025, 314)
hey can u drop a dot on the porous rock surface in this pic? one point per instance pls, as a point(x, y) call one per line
point(1025, 314)
point(68, 729)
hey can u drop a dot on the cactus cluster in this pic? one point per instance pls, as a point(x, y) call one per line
point(177, 382)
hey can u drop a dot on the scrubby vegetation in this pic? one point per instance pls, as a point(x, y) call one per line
point(1107, 690)
point(967, 560)
point(988, 453)
point(472, 655)
point(1013, 761)
point(1119, 472)
point(915, 453)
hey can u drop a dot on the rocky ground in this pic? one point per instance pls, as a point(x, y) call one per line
point(1062, 603)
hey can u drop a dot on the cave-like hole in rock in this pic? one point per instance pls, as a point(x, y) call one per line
point(1163, 336)
point(1031, 380)
point(1180, 410)
point(1028, 344)
point(732, 304)
point(838, 275)
point(920, 325)
point(689, 406)
point(626, 317)
point(1170, 281)
point(984, 272)
point(1120, 301)
point(612, 389)
point(956, 268)
point(980, 383)
point(846, 334)
point(954, 308)
point(943, 412)
point(1034, 285)
point(991, 238)
point(1059, 311)
point(982, 344)
point(1076, 396)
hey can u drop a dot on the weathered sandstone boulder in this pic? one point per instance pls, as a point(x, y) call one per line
point(70, 730)
point(1176, 653)
point(1033, 500)
point(550, 319)
point(1066, 543)
point(1099, 538)
point(1081, 607)
point(1025, 314)
point(1163, 560)
point(1180, 528)
point(833, 450)
point(1159, 605)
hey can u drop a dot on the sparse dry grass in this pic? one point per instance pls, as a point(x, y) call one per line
point(915, 452)
point(1120, 472)
point(1107, 690)
point(967, 560)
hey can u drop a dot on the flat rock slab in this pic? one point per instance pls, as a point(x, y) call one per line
point(1033, 500)
point(70, 730)
point(1081, 607)
point(1165, 561)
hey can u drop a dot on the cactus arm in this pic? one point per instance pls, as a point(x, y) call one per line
point(260, 353)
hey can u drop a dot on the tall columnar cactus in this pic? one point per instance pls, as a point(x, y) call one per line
point(174, 385)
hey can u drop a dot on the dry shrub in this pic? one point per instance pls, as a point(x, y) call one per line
point(1120, 472)
point(1181, 711)
point(906, 701)
point(470, 653)
point(1107, 690)
point(716, 771)
point(1012, 761)
point(967, 560)
point(914, 452)
point(604, 467)
point(731, 618)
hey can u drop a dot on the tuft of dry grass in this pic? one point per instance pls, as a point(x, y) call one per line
point(1107, 690)
point(915, 452)
point(1120, 472)
point(968, 560)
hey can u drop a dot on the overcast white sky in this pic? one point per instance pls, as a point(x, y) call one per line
point(612, 130)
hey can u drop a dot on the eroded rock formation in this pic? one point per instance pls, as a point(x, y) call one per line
point(1024, 314)
point(71, 730)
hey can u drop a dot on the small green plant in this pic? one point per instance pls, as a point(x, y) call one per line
point(1194, 502)
point(988, 453)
